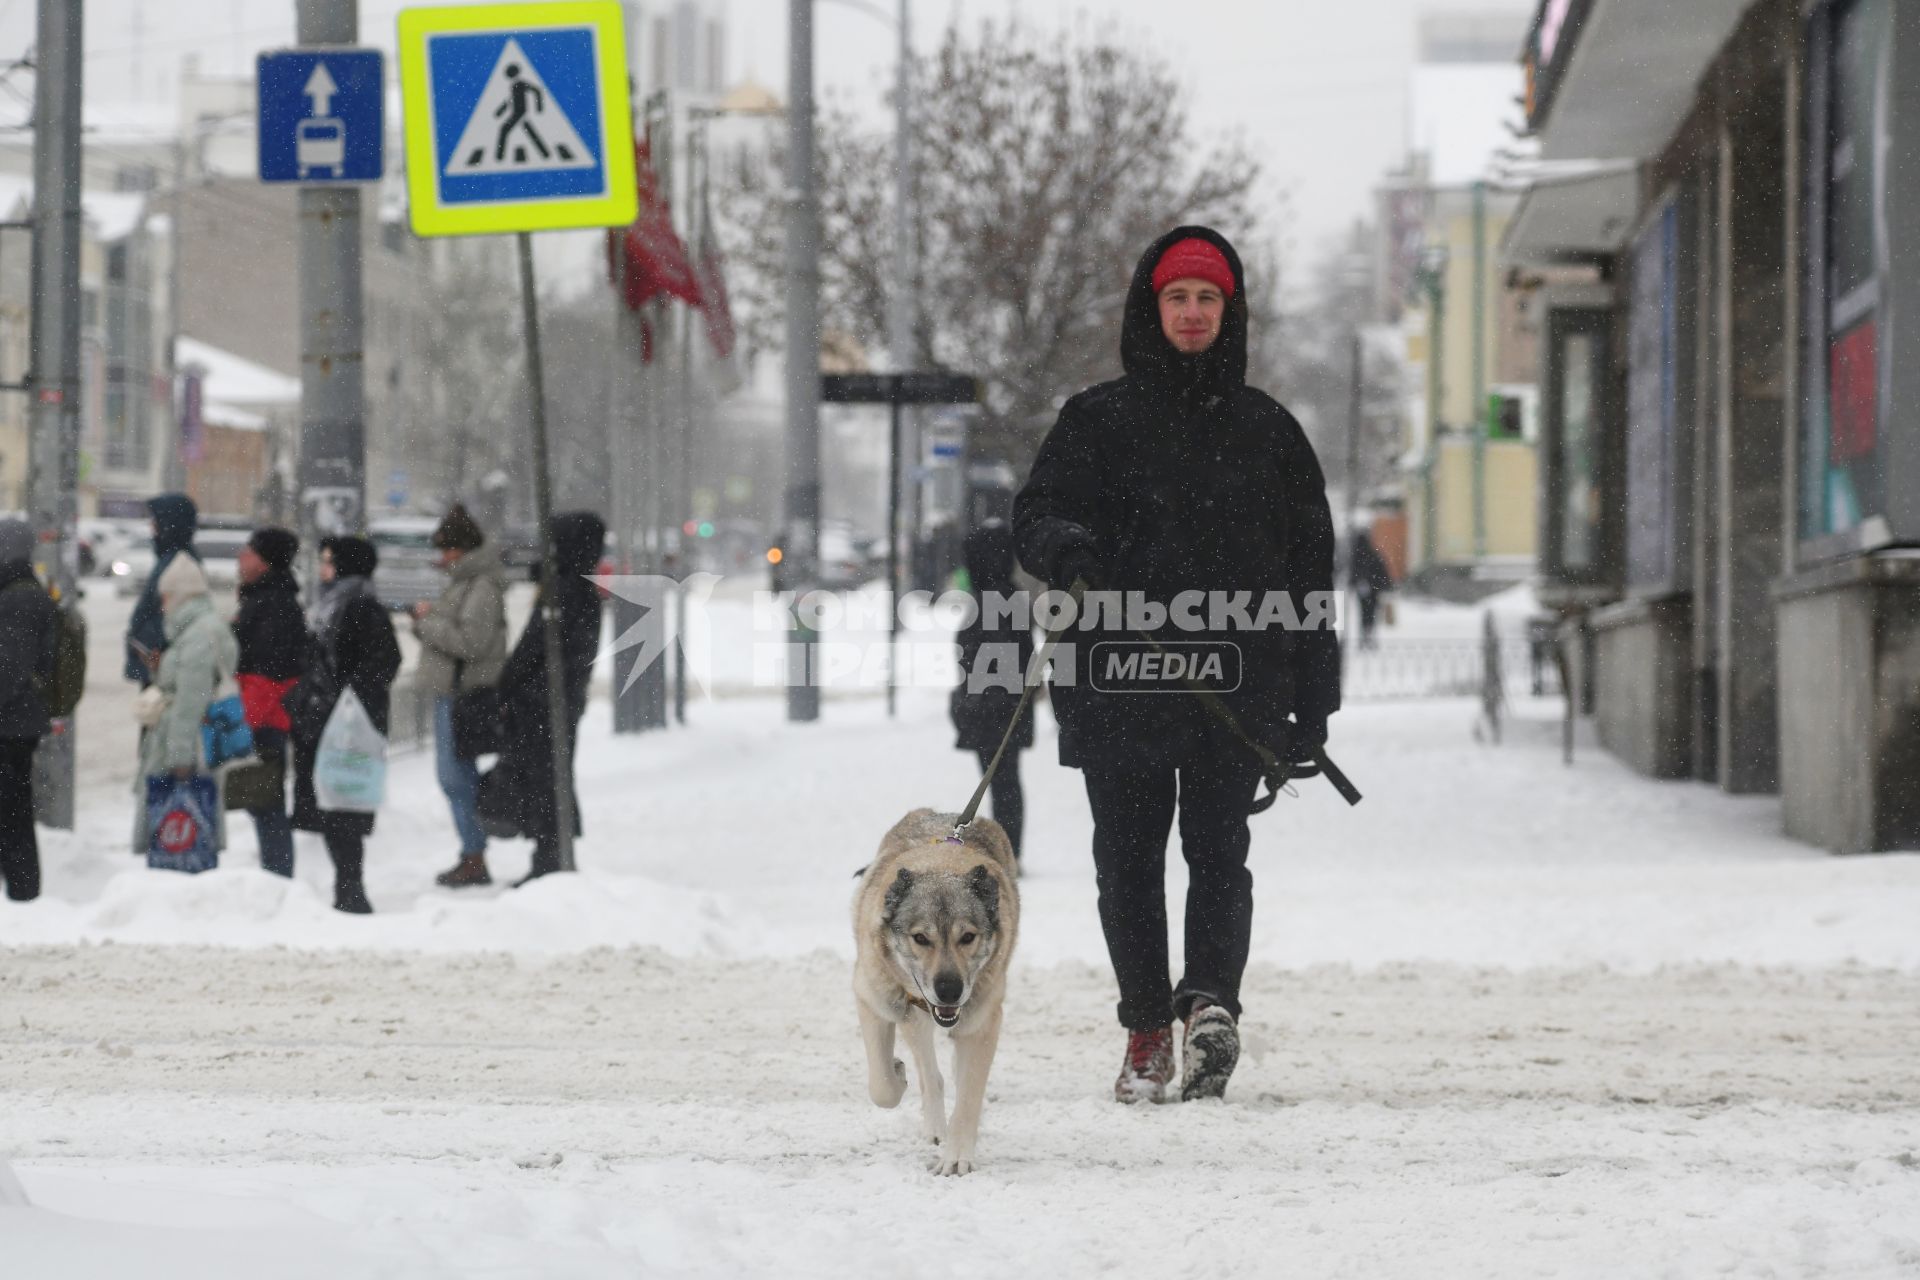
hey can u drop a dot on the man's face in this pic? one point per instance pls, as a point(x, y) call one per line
point(251, 567)
point(1190, 314)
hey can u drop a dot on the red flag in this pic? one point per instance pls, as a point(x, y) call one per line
point(656, 260)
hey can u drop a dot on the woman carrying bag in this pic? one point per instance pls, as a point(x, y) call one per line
point(179, 805)
point(463, 646)
point(353, 649)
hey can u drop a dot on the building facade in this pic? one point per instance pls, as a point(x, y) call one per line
point(1468, 467)
point(1731, 487)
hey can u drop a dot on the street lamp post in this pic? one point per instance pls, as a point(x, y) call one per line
point(802, 534)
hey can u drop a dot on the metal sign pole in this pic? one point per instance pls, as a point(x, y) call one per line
point(54, 439)
point(560, 721)
point(893, 553)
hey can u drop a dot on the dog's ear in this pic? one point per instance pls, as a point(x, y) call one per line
point(896, 895)
point(982, 885)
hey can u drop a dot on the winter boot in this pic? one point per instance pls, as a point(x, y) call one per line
point(470, 870)
point(351, 897)
point(1147, 1068)
point(1208, 1051)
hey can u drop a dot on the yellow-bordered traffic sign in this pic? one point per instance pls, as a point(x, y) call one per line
point(517, 117)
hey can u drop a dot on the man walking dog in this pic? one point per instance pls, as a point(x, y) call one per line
point(1179, 478)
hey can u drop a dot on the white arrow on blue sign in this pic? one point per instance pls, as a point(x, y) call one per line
point(322, 115)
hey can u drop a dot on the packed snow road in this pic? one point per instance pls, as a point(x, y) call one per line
point(629, 1112)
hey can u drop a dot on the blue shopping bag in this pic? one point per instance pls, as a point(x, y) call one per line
point(224, 732)
point(181, 818)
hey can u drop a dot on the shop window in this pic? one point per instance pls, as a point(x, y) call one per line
point(1843, 421)
point(1656, 474)
point(1573, 445)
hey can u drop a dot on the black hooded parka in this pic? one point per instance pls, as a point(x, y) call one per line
point(1180, 477)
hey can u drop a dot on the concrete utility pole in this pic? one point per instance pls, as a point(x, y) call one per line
point(54, 451)
point(802, 541)
point(640, 702)
point(333, 410)
point(900, 322)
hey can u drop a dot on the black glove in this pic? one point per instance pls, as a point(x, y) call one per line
point(1078, 560)
point(1296, 741)
point(1309, 732)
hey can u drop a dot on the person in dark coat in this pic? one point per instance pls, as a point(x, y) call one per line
point(175, 521)
point(28, 636)
point(1176, 478)
point(1371, 579)
point(352, 637)
point(994, 652)
point(516, 796)
point(272, 630)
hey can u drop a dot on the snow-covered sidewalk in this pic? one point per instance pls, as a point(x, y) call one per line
point(1505, 1018)
point(738, 837)
point(628, 1113)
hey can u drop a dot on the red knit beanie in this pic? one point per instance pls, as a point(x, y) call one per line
point(1193, 259)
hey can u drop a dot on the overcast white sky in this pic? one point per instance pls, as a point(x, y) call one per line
point(1316, 87)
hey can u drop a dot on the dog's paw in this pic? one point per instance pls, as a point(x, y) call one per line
point(888, 1092)
point(951, 1165)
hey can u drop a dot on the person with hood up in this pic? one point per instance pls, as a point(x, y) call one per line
point(28, 623)
point(463, 647)
point(200, 655)
point(175, 521)
point(1371, 579)
point(352, 647)
point(1178, 477)
point(516, 796)
point(994, 652)
point(272, 631)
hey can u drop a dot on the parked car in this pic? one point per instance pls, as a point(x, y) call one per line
point(520, 548)
point(408, 572)
point(219, 550)
point(846, 559)
point(107, 538)
point(131, 568)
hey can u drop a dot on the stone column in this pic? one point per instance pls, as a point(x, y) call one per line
point(1752, 429)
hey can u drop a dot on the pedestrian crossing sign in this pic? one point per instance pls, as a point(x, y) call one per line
point(517, 117)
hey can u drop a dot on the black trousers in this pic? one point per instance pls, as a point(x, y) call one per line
point(1009, 802)
point(1133, 813)
point(19, 845)
point(349, 854)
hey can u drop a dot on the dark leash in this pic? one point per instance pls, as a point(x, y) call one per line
point(1278, 774)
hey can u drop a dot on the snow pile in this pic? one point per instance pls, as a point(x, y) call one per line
point(246, 907)
point(12, 1194)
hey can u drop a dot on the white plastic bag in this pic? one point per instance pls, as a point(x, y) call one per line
point(350, 764)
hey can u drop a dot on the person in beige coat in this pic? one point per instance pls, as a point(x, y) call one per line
point(463, 646)
point(201, 655)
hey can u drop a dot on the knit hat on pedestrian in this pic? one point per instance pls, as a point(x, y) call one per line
point(352, 557)
point(458, 531)
point(275, 545)
point(16, 541)
point(182, 579)
point(1193, 259)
